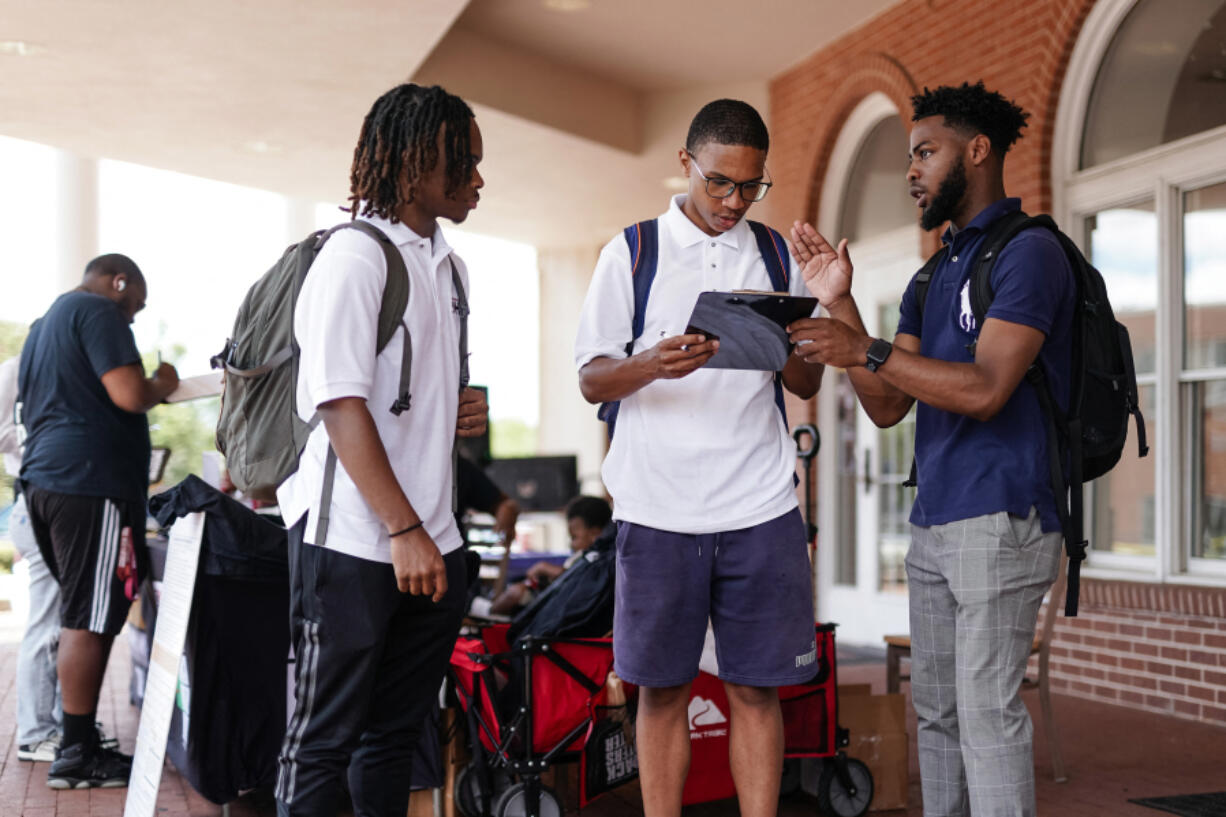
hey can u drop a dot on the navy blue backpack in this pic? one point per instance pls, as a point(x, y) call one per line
point(643, 239)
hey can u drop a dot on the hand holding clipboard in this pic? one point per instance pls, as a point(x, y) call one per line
point(751, 327)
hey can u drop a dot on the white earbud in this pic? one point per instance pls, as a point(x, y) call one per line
point(121, 285)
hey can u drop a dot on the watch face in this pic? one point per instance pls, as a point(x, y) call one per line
point(877, 353)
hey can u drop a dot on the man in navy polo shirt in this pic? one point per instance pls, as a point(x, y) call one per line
point(985, 535)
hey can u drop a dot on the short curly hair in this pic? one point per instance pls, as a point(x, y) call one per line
point(593, 510)
point(973, 109)
point(727, 122)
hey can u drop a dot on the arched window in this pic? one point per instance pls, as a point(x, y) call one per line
point(1163, 78)
point(1139, 176)
point(874, 200)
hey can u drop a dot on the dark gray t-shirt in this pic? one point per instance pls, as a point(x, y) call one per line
point(78, 441)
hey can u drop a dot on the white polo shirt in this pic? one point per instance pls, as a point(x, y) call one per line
point(707, 452)
point(335, 323)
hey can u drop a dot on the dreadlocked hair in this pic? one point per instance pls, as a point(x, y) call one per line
point(398, 138)
point(973, 109)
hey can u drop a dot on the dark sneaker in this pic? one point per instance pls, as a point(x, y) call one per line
point(82, 766)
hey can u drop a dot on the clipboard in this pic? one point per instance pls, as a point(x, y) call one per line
point(750, 327)
point(193, 388)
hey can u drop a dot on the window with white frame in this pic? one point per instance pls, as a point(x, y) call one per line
point(1140, 176)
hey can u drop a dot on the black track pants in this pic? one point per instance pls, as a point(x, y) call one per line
point(369, 663)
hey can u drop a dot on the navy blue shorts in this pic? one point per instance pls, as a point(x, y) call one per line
point(754, 584)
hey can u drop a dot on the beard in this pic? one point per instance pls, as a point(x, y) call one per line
point(949, 196)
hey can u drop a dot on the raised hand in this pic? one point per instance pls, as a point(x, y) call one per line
point(826, 270)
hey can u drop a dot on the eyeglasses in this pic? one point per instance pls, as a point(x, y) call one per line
point(723, 188)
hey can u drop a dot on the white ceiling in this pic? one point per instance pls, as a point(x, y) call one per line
point(655, 45)
point(581, 110)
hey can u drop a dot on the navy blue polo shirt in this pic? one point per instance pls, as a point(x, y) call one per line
point(967, 468)
point(78, 442)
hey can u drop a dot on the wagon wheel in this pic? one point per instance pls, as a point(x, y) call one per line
point(835, 798)
point(514, 803)
point(468, 790)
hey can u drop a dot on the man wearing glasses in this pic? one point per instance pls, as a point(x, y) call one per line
point(701, 474)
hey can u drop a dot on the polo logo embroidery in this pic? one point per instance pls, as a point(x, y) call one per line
point(967, 317)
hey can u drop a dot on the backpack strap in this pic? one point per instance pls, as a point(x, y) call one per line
point(1069, 497)
point(999, 233)
point(774, 251)
point(461, 308)
point(643, 241)
point(391, 317)
point(923, 280)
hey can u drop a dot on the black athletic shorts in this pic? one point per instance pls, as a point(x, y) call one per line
point(78, 537)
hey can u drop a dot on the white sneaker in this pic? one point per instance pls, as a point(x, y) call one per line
point(103, 741)
point(41, 752)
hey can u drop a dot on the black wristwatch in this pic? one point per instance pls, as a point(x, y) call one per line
point(877, 353)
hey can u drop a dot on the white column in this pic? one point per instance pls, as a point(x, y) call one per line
point(568, 422)
point(300, 219)
point(76, 217)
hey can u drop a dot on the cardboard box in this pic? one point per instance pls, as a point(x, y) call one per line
point(878, 727)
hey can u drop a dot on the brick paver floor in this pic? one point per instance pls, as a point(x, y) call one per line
point(1113, 754)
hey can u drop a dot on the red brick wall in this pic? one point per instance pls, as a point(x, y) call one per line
point(1020, 49)
point(1157, 647)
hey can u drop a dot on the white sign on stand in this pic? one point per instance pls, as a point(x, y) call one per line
point(174, 609)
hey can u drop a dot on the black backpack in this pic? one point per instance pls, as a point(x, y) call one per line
point(1102, 389)
point(577, 604)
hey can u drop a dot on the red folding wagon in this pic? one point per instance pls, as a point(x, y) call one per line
point(530, 707)
point(810, 730)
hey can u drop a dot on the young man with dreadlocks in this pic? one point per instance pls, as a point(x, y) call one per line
point(378, 601)
point(701, 473)
point(986, 537)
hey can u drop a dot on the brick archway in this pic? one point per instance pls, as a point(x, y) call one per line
point(865, 74)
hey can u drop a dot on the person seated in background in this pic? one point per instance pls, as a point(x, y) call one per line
point(475, 491)
point(586, 519)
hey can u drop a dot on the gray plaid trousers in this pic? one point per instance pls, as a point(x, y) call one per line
point(975, 588)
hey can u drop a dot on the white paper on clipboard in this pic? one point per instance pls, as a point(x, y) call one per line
point(194, 388)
